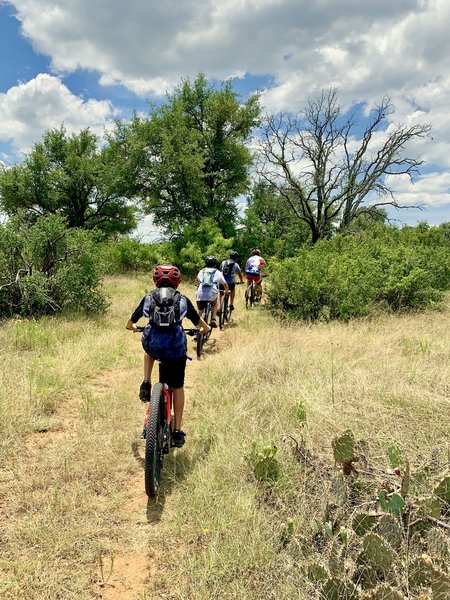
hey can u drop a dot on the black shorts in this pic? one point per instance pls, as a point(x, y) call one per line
point(231, 287)
point(171, 371)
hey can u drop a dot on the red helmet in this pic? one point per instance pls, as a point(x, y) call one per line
point(166, 276)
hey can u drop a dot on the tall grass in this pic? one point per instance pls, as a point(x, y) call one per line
point(70, 421)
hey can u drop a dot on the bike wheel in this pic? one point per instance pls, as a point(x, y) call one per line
point(222, 311)
point(252, 294)
point(207, 319)
point(200, 340)
point(247, 296)
point(154, 441)
point(226, 309)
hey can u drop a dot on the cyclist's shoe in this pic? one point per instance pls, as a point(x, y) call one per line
point(213, 323)
point(178, 438)
point(231, 307)
point(144, 391)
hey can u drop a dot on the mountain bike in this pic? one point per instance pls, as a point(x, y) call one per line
point(253, 292)
point(224, 311)
point(157, 431)
point(203, 337)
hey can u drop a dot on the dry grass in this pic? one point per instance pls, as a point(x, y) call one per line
point(70, 421)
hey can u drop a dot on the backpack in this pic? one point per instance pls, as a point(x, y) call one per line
point(162, 307)
point(208, 277)
point(164, 336)
point(227, 268)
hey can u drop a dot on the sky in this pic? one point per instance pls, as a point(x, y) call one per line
point(85, 62)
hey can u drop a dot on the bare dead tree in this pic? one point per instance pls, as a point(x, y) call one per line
point(324, 174)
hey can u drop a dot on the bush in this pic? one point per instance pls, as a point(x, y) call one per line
point(47, 267)
point(128, 255)
point(346, 276)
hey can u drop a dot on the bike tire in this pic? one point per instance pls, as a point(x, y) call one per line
point(247, 296)
point(207, 319)
point(226, 309)
point(252, 294)
point(153, 442)
point(222, 311)
point(200, 340)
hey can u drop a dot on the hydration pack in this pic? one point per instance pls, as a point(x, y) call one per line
point(227, 268)
point(208, 277)
point(162, 307)
point(164, 336)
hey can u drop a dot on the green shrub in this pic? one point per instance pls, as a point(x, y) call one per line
point(345, 277)
point(46, 267)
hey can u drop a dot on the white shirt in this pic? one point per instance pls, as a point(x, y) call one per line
point(209, 292)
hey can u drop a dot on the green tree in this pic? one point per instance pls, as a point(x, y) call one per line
point(323, 173)
point(47, 267)
point(188, 159)
point(67, 176)
point(270, 224)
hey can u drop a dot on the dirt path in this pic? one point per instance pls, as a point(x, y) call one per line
point(147, 522)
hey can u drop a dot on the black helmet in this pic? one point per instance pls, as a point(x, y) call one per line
point(234, 255)
point(211, 261)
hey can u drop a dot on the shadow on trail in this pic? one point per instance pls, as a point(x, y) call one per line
point(177, 466)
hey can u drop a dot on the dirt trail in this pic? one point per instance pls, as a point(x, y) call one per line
point(147, 521)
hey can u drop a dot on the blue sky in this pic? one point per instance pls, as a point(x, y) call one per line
point(83, 65)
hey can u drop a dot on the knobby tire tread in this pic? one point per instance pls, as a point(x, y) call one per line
point(152, 443)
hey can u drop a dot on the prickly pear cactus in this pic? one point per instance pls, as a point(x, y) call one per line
point(385, 592)
point(363, 522)
point(440, 584)
point(336, 561)
point(378, 553)
point(344, 451)
point(389, 529)
point(438, 546)
point(337, 588)
point(442, 490)
point(339, 490)
point(317, 573)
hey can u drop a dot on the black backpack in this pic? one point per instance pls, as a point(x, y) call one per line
point(227, 268)
point(162, 307)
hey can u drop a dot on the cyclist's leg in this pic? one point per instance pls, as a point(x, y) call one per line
point(232, 294)
point(215, 307)
point(145, 387)
point(172, 372)
point(148, 366)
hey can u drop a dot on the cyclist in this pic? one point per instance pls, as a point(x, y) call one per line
point(164, 338)
point(230, 269)
point(253, 268)
point(209, 278)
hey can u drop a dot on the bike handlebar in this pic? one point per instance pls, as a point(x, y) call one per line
point(188, 331)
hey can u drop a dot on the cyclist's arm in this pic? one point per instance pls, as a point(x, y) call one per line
point(221, 279)
point(137, 314)
point(239, 274)
point(195, 319)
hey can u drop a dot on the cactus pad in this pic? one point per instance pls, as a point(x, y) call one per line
point(316, 572)
point(385, 592)
point(363, 522)
point(378, 553)
point(442, 490)
point(389, 529)
point(336, 588)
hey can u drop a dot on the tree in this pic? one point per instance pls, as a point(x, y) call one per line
point(269, 224)
point(67, 176)
point(324, 175)
point(188, 159)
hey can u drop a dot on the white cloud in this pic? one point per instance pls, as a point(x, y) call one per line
point(432, 189)
point(28, 109)
point(366, 49)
